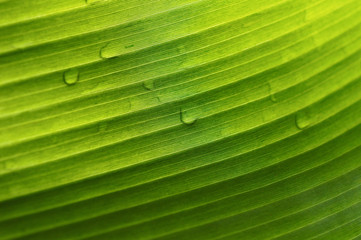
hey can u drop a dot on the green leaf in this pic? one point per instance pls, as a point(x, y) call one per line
point(180, 119)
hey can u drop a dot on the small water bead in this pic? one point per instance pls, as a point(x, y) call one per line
point(71, 76)
point(106, 52)
point(186, 118)
point(273, 97)
point(114, 50)
point(303, 120)
point(129, 105)
point(149, 85)
point(271, 93)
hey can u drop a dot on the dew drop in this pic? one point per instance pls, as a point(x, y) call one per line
point(271, 93)
point(273, 98)
point(114, 50)
point(186, 118)
point(129, 46)
point(303, 120)
point(108, 51)
point(71, 76)
point(105, 52)
point(149, 85)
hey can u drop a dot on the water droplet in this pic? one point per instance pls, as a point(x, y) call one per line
point(109, 51)
point(273, 98)
point(303, 120)
point(271, 93)
point(149, 85)
point(105, 52)
point(114, 50)
point(71, 76)
point(186, 118)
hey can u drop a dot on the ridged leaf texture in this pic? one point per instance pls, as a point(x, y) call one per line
point(180, 119)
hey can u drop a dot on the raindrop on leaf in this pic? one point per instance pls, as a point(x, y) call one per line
point(106, 52)
point(271, 94)
point(71, 76)
point(303, 120)
point(186, 118)
point(149, 85)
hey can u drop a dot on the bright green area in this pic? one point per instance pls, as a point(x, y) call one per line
point(180, 119)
